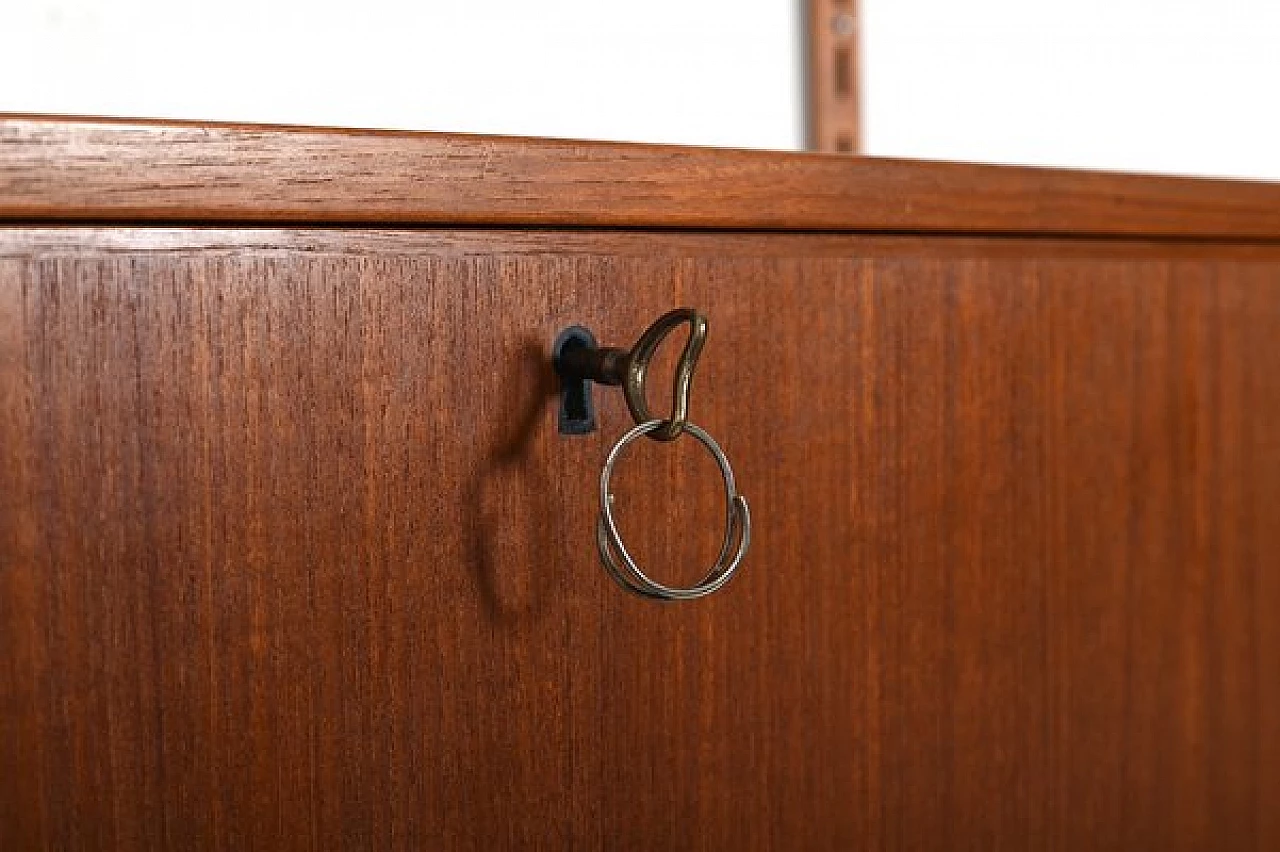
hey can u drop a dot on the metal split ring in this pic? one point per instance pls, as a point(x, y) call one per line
point(619, 562)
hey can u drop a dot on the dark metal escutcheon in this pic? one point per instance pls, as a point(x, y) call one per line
point(611, 366)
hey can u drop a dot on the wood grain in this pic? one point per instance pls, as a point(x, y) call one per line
point(77, 170)
point(292, 557)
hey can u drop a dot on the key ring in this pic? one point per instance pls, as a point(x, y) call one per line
point(580, 363)
point(627, 573)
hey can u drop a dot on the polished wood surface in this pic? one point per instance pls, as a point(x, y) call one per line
point(293, 556)
point(78, 170)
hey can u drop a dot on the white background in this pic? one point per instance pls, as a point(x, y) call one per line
point(709, 72)
point(1174, 86)
point(1142, 85)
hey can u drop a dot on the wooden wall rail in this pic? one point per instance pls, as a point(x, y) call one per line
point(833, 76)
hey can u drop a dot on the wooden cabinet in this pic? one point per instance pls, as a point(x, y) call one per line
point(292, 554)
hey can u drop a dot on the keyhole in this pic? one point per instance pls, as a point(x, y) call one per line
point(577, 409)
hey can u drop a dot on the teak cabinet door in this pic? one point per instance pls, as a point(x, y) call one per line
point(294, 557)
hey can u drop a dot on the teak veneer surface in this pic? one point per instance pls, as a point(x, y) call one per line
point(85, 170)
point(294, 558)
point(292, 555)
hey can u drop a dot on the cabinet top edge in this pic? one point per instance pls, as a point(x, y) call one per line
point(67, 169)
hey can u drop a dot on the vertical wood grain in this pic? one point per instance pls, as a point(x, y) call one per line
point(291, 555)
